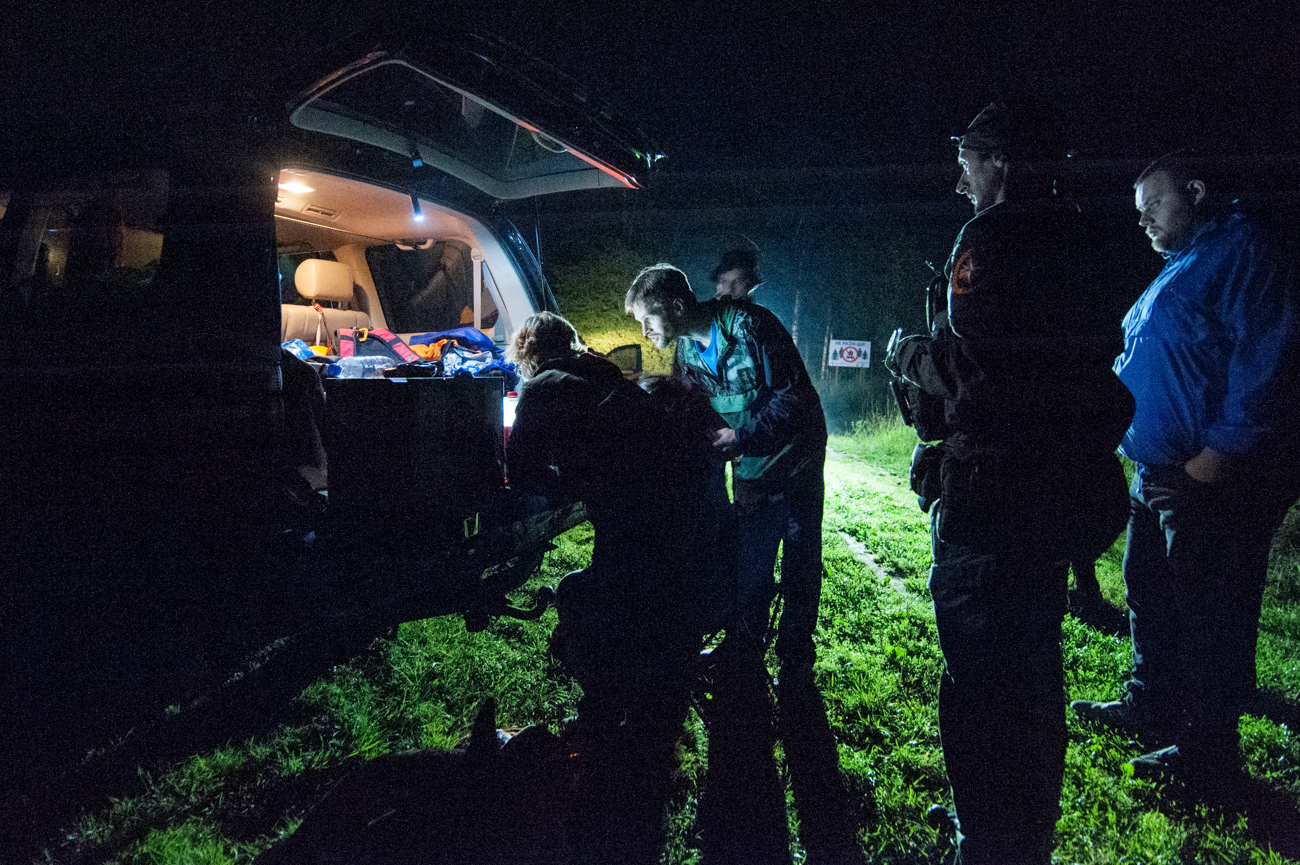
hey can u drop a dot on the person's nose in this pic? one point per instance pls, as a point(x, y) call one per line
point(1144, 219)
point(962, 184)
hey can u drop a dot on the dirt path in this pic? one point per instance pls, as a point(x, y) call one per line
point(844, 469)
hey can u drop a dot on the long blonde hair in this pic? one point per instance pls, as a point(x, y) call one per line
point(543, 336)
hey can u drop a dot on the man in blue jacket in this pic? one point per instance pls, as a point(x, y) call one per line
point(1210, 355)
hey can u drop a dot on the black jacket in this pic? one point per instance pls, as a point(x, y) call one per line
point(1032, 411)
point(1023, 357)
point(582, 429)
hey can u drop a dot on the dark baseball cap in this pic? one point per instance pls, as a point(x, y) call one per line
point(1016, 132)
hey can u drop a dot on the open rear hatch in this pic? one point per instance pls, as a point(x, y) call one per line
point(481, 111)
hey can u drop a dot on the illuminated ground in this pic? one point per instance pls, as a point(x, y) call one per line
point(878, 671)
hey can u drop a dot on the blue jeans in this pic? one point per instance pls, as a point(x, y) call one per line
point(998, 609)
point(1194, 572)
point(792, 515)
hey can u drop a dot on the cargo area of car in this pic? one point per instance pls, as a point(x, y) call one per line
point(151, 264)
point(430, 269)
point(417, 455)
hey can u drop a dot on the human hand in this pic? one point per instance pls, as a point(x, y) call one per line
point(725, 440)
point(1209, 467)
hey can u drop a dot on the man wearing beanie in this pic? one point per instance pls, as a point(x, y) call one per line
point(1017, 374)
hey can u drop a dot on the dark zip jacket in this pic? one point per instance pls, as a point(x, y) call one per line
point(762, 391)
point(1032, 411)
point(1023, 360)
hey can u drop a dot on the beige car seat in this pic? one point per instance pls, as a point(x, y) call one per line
point(322, 282)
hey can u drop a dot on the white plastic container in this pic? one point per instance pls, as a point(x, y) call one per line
point(362, 367)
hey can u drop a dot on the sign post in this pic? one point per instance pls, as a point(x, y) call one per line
point(849, 352)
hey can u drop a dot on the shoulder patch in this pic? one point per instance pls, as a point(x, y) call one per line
point(961, 274)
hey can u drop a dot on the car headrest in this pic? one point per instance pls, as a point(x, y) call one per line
point(317, 279)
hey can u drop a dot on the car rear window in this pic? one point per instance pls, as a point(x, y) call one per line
point(82, 246)
point(397, 106)
point(431, 289)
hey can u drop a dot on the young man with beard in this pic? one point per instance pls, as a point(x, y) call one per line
point(742, 357)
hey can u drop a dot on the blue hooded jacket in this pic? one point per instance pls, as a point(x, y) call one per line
point(1210, 347)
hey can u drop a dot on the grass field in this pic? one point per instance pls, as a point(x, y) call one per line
point(878, 669)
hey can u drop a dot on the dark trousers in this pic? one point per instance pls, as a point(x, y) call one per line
point(1002, 697)
point(1194, 572)
point(634, 656)
point(792, 515)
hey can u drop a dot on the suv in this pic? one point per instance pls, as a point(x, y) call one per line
point(154, 448)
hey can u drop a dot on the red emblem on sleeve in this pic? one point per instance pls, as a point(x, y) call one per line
point(961, 274)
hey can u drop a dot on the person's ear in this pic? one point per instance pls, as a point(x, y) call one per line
point(679, 308)
point(1196, 189)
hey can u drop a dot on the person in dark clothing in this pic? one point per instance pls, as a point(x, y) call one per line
point(1089, 605)
point(1017, 375)
point(630, 625)
point(1210, 353)
point(736, 275)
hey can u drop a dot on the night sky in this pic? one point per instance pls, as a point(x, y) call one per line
point(758, 85)
point(755, 85)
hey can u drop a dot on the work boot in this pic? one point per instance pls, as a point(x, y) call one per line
point(1097, 613)
point(1213, 777)
point(1126, 717)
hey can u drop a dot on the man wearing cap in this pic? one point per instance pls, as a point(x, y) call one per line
point(1026, 478)
point(1210, 353)
point(736, 275)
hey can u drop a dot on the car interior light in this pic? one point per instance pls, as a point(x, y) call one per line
point(417, 215)
point(297, 187)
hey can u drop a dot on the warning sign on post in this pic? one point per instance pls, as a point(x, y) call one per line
point(850, 352)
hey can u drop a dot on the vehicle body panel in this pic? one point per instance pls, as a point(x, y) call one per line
point(150, 543)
